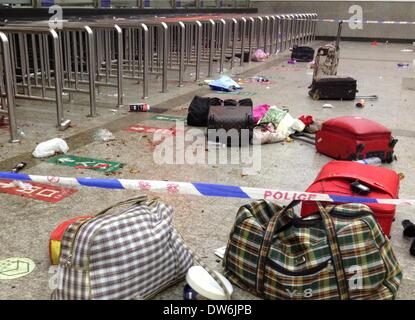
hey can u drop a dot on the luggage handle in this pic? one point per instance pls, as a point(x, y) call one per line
point(134, 200)
point(335, 250)
point(339, 31)
point(331, 239)
point(266, 244)
point(238, 102)
point(301, 136)
point(222, 103)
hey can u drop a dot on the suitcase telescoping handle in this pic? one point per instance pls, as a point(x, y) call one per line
point(302, 136)
point(339, 32)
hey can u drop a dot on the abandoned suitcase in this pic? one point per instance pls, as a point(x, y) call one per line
point(302, 53)
point(327, 58)
point(355, 138)
point(237, 122)
point(336, 178)
point(333, 88)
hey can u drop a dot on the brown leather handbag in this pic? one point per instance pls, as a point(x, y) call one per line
point(230, 125)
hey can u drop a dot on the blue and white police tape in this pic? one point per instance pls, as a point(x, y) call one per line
point(199, 189)
point(361, 21)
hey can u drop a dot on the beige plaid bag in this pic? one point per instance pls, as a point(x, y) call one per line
point(133, 253)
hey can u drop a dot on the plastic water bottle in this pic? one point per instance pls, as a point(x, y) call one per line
point(374, 161)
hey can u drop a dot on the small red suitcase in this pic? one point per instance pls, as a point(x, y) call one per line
point(336, 176)
point(355, 138)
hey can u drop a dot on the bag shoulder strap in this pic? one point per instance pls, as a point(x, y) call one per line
point(266, 244)
point(134, 200)
point(335, 251)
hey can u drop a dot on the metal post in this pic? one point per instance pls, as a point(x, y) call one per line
point(259, 32)
point(234, 39)
point(272, 35)
point(212, 47)
point(284, 32)
point(146, 60)
point(266, 30)
point(165, 56)
point(251, 35)
point(198, 48)
point(91, 70)
point(120, 70)
point(243, 31)
point(223, 46)
point(182, 47)
point(14, 137)
point(62, 123)
point(278, 44)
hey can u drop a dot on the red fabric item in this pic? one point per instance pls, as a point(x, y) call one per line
point(57, 234)
point(307, 120)
point(335, 178)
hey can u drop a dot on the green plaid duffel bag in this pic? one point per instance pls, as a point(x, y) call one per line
point(339, 254)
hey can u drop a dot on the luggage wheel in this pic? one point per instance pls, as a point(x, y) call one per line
point(315, 95)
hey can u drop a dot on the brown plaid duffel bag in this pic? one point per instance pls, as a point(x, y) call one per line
point(130, 253)
point(341, 253)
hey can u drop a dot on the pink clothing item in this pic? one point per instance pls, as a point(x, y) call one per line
point(259, 56)
point(260, 111)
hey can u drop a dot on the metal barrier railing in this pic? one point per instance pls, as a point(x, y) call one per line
point(36, 61)
point(77, 45)
point(143, 4)
point(82, 57)
point(7, 107)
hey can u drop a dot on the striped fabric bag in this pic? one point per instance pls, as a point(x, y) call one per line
point(133, 253)
point(339, 254)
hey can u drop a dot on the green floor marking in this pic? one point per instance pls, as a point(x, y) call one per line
point(86, 163)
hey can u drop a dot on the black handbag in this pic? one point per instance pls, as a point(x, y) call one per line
point(199, 108)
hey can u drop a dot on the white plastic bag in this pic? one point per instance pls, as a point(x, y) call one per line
point(103, 135)
point(50, 147)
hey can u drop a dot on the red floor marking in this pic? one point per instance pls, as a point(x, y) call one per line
point(39, 191)
point(146, 129)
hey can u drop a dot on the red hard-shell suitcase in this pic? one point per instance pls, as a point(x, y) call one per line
point(336, 176)
point(355, 138)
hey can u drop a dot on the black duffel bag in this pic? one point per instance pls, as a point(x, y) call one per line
point(302, 53)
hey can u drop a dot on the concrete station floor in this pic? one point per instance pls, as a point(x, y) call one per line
point(204, 222)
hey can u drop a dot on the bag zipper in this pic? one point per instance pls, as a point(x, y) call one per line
point(69, 261)
point(306, 272)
